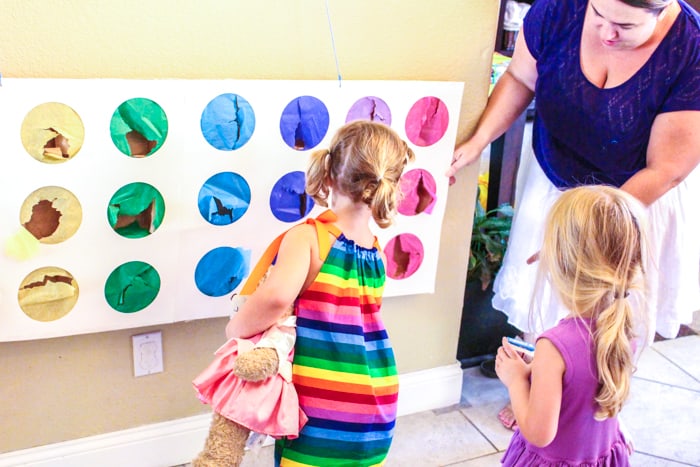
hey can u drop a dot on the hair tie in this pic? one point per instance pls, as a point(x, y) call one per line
point(625, 295)
point(327, 160)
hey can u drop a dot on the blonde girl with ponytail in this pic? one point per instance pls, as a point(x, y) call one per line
point(344, 369)
point(566, 400)
point(331, 396)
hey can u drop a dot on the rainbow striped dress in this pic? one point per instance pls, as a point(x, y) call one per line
point(344, 369)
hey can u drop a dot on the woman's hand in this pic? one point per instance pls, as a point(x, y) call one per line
point(465, 154)
point(510, 366)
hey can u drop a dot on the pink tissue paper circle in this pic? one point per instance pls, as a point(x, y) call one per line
point(404, 255)
point(427, 121)
point(419, 192)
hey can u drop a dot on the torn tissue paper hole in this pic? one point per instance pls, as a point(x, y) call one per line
point(47, 294)
point(57, 147)
point(224, 198)
point(132, 286)
point(135, 285)
point(419, 192)
point(139, 127)
point(370, 108)
point(221, 210)
point(289, 201)
point(46, 279)
point(404, 256)
point(227, 122)
point(52, 133)
point(427, 121)
point(304, 123)
point(139, 146)
point(51, 214)
point(302, 204)
point(143, 219)
point(400, 258)
point(44, 221)
point(136, 210)
point(299, 143)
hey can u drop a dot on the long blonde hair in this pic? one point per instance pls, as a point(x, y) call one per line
point(364, 162)
point(593, 254)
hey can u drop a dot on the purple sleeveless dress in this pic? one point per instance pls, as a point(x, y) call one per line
point(581, 440)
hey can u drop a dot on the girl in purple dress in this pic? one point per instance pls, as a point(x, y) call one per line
point(566, 401)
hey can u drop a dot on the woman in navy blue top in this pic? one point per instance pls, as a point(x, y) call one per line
point(617, 86)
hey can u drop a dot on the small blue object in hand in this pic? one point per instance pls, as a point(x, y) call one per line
point(522, 346)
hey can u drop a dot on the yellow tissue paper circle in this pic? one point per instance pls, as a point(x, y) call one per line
point(52, 133)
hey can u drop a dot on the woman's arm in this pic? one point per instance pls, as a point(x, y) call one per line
point(510, 97)
point(673, 152)
point(277, 293)
point(536, 395)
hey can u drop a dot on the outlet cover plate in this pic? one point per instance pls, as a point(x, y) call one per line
point(148, 353)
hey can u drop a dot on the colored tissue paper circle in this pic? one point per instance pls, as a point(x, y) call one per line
point(136, 210)
point(52, 133)
point(304, 122)
point(224, 198)
point(48, 293)
point(289, 201)
point(132, 286)
point(138, 127)
point(227, 122)
point(419, 189)
point(404, 255)
point(370, 108)
point(51, 214)
point(221, 270)
point(427, 121)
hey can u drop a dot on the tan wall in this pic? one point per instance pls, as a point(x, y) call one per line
point(66, 388)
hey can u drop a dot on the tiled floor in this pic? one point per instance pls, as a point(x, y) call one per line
point(663, 415)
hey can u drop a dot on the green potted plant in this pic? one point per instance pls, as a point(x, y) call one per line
point(482, 327)
point(490, 232)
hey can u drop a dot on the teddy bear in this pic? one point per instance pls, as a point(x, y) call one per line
point(249, 383)
point(249, 386)
point(226, 440)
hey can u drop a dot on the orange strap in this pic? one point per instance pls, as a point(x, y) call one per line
point(324, 223)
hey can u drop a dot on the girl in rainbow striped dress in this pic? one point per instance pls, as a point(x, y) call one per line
point(343, 368)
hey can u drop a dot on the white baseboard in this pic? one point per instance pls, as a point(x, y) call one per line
point(431, 389)
point(176, 442)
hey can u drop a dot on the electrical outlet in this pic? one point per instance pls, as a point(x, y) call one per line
point(148, 353)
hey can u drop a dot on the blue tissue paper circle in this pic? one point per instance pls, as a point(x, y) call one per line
point(228, 122)
point(220, 271)
point(304, 123)
point(224, 198)
point(289, 201)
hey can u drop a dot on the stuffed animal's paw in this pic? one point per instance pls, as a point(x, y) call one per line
point(257, 364)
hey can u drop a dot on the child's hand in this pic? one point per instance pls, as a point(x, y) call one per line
point(510, 366)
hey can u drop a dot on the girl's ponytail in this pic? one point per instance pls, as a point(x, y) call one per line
point(317, 175)
point(614, 354)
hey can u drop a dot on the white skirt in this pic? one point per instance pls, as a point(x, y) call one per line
point(673, 266)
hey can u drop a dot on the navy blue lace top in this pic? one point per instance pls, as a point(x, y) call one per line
point(583, 134)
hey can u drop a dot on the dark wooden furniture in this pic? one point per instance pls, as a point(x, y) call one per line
point(505, 151)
